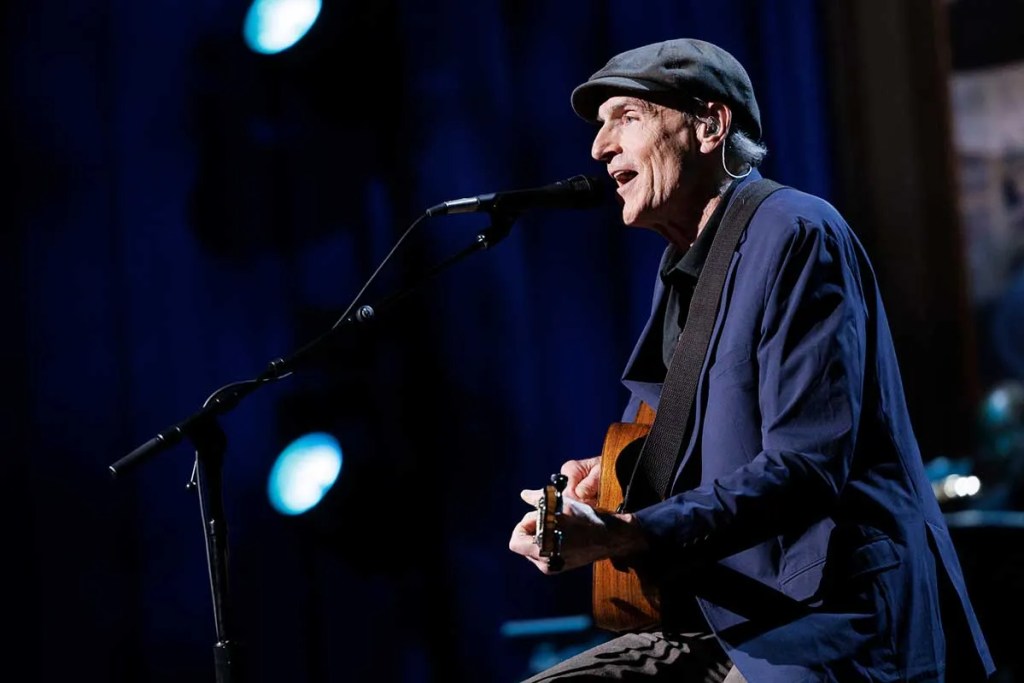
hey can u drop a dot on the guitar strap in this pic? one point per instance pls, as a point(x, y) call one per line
point(664, 443)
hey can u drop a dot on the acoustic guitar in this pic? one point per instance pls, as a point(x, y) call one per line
point(620, 599)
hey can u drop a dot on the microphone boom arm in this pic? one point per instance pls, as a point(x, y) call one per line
point(211, 444)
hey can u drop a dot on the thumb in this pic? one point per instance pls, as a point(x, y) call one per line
point(532, 496)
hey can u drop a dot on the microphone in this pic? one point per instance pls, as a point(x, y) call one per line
point(577, 192)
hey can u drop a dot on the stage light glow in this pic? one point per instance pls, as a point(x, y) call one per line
point(304, 472)
point(545, 627)
point(272, 26)
point(956, 486)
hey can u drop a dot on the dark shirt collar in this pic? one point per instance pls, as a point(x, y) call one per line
point(678, 269)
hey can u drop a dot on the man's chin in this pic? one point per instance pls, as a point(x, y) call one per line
point(630, 216)
point(633, 218)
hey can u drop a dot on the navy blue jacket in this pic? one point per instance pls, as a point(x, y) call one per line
point(829, 557)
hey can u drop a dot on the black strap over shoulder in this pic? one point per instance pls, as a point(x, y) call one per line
point(664, 443)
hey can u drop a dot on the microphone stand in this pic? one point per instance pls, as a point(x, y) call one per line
point(210, 442)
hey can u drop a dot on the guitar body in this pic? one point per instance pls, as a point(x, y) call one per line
point(621, 600)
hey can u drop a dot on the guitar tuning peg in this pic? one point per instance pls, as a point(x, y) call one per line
point(556, 562)
point(549, 509)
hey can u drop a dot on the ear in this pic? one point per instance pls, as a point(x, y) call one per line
point(713, 126)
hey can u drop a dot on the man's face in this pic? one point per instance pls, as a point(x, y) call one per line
point(651, 153)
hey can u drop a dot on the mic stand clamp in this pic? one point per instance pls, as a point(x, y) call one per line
point(499, 229)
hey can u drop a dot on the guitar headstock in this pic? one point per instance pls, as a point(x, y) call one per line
point(549, 536)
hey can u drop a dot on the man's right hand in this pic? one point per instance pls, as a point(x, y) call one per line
point(584, 480)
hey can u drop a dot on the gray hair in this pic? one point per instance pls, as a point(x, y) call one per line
point(742, 151)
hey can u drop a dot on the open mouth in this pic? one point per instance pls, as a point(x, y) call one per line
point(623, 177)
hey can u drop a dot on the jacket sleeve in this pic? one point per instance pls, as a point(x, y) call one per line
point(810, 355)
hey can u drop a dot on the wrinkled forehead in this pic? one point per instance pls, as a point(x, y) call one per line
point(616, 105)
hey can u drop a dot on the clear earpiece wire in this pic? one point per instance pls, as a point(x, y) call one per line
point(738, 177)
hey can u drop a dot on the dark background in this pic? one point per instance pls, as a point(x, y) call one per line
point(182, 211)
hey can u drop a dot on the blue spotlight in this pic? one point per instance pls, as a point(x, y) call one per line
point(304, 472)
point(275, 25)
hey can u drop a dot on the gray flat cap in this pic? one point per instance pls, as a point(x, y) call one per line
point(670, 72)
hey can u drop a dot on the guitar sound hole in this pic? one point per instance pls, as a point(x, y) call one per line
point(641, 494)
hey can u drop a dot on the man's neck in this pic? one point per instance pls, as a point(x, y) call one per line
point(709, 209)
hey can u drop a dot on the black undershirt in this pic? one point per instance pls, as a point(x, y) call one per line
point(679, 274)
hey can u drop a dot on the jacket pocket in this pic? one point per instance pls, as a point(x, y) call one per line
point(872, 557)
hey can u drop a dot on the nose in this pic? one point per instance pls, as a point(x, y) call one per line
point(605, 145)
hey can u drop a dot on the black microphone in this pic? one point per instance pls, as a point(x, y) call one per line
point(578, 192)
